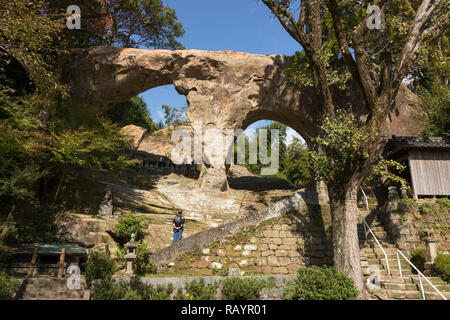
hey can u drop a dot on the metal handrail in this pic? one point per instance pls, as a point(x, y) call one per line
point(420, 274)
point(366, 226)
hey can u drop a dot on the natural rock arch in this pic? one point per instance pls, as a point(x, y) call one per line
point(224, 90)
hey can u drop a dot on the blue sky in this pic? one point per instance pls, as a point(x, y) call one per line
point(239, 25)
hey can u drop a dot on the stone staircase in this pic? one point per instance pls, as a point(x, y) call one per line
point(49, 288)
point(393, 286)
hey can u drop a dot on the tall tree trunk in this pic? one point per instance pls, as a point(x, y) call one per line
point(343, 201)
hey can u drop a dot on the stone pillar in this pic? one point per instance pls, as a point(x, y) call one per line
point(431, 249)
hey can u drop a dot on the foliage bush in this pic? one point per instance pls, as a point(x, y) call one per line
point(199, 290)
point(7, 286)
point(128, 225)
point(443, 202)
point(99, 266)
point(242, 288)
point(143, 263)
point(133, 290)
point(418, 258)
point(441, 267)
point(320, 283)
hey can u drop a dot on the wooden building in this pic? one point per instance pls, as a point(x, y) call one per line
point(427, 161)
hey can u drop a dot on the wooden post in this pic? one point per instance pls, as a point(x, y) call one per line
point(61, 263)
point(33, 263)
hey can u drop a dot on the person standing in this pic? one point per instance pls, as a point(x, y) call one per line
point(178, 226)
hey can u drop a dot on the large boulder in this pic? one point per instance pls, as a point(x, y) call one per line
point(83, 229)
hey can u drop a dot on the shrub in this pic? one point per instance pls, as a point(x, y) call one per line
point(107, 290)
point(320, 283)
point(99, 266)
point(133, 290)
point(128, 225)
point(418, 258)
point(443, 202)
point(199, 290)
point(424, 208)
point(7, 286)
point(441, 267)
point(242, 288)
point(143, 263)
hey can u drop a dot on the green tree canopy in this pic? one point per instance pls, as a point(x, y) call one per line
point(175, 117)
point(133, 111)
point(123, 23)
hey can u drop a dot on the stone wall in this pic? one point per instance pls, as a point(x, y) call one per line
point(408, 222)
point(277, 246)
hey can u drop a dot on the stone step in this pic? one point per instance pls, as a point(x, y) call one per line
point(391, 262)
point(51, 287)
point(434, 280)
point(46, 281)
point(54, 295)
point(390, 252)
point(405, 294)
point(397, 272)
point(392, 279)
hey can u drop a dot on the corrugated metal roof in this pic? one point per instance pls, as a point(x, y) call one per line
point(51, 248)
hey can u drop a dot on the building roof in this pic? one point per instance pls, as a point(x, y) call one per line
point(52, 248)
point(399, 144)
point(422, 142)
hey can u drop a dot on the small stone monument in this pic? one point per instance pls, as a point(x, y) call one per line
point(392, 193)
point(404, 192)
point(131, 254)
point(106, 206)
point(431, 251)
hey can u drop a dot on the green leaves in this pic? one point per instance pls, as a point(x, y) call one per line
point(7, 286)
point(175, 117)
point(98, 147)
point(143, 23)
point(133, 111)
point(320, 283)
point(128, 225)
point(31, 38)
point(345, 144)
point(99, 266)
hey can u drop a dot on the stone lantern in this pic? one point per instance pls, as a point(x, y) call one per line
point(131, 254)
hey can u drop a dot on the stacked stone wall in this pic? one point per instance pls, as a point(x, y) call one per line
point(277, 246)
point(410, 222)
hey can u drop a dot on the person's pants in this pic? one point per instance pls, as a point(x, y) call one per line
point(177, 234)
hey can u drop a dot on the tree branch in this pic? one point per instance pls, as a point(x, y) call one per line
point(414, 39)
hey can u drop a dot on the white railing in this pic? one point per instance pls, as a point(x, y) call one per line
point(419, 274)
point(366, 227)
